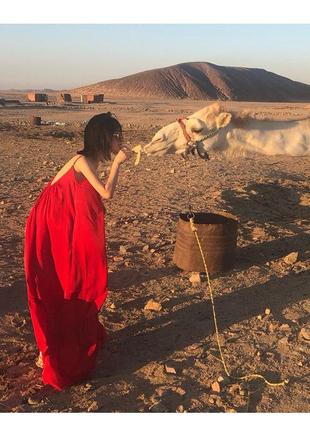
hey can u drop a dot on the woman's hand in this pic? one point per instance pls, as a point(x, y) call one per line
point(125, 153)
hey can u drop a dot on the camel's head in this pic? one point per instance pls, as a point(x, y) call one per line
point(217, 120)
point(201, 130)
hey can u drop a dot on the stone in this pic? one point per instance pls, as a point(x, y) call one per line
point(195, 278)
point(33, 401)
point(153, 306)
point(216, 387)
point(180, 408)
point(122, 250)
point(170, 370)
point(291, 258)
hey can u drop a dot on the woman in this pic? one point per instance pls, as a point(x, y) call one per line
point(65, 257)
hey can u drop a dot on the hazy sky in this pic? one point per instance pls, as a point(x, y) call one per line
point(65, 56)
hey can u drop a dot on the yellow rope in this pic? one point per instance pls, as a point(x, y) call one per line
point(241, 378)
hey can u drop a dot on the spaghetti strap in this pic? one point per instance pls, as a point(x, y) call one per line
point(76, 160)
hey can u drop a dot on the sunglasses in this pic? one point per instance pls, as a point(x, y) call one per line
point(118, 135)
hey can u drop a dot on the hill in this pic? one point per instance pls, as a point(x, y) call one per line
point(203, 81)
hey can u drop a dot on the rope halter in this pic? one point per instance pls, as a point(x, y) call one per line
point(192, 146)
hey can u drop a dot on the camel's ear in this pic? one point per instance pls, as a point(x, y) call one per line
point(213, 110)
point(223, 119)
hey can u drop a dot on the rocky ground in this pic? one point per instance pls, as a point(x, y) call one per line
point(167, 360)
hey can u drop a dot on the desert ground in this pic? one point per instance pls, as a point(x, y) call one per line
point(167, 360)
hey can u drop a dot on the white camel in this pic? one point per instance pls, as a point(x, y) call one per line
point(213, 129)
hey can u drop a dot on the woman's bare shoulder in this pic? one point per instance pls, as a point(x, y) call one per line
point(77, 160)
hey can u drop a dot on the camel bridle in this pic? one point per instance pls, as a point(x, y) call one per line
point(192, 146)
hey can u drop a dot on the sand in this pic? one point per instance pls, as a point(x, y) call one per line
point(271, 198)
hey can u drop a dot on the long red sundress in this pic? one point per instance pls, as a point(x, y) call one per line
point(66, 274)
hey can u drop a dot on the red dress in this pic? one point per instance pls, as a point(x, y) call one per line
point(66, 276)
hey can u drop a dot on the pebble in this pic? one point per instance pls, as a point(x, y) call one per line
point(223, 380)
point(216, 387)
point(152, 306)
point(180, 408)
point(170, 370)
point(32, 401)
point(195, 278)
point(122, 250)
point(291, 258)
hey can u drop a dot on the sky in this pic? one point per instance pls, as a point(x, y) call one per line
point(64, 56)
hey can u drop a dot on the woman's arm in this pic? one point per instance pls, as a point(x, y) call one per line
point(92, 178)
point(113, 178)
point(106, 191)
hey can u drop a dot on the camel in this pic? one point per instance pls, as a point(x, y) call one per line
point(213, 129)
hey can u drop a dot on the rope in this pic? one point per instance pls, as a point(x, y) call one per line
point(241, 378)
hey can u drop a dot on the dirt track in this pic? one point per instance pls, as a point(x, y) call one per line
point(271, 198)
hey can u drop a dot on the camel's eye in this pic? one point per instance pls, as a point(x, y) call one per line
point(198, 131)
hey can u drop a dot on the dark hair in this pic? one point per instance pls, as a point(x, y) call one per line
point(98, 135)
